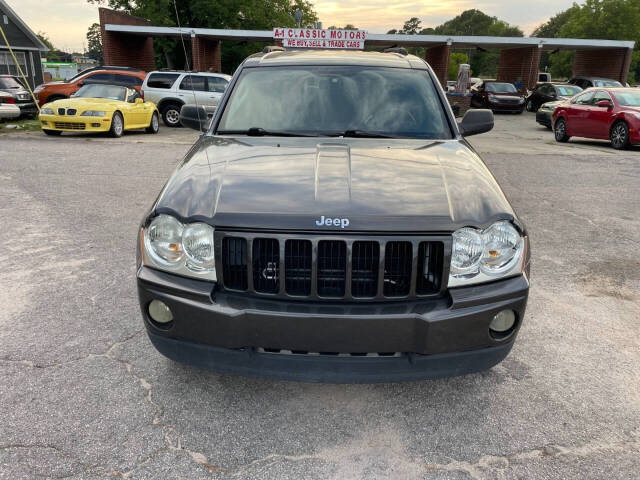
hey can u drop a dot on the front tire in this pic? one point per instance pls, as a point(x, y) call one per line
point(560, 131)
point(619, 135)
point(53, 133)
point(530, 107)
point(171, 115)
point(117, 125)
point(154, 125)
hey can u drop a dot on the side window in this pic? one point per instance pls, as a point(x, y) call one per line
point(127, 79)
point(217, 84)
point(98, 78)
point(132, 95)
point(162, 80)
point(194, 82)
point(584, 99)
point(600, 95)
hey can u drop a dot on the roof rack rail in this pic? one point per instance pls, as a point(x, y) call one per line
point(272, 48)
point(398, 50)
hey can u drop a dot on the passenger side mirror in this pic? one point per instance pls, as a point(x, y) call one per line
point(475, 122)
point(604, 104)
point(195, 117)
point(139, 100)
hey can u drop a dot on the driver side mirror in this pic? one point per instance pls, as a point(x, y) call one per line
point(475, 122)
point(604, 104)
point(195, 117)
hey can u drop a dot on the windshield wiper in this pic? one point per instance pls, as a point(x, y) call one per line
point(261, 132)
point(362, 134)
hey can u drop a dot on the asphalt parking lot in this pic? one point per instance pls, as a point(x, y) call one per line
point(84, 394)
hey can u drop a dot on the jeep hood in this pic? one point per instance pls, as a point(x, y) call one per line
point(290, 183)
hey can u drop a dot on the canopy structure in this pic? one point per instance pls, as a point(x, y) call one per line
point(128, 41)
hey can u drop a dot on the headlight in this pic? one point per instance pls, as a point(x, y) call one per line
point(93, 113)
point(39, 88)
point(181, 249)
point(521, 100)
point(492, 98)
point(481, 256)
point(46, 111)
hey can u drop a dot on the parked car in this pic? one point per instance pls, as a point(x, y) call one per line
point(588, 82)
point(52, 91)
point(170, 90)
point(100, 108)
point(602, 113)
point(544, 77)
point(544, 115)
point(8, 108)
point(549, 92)
point(497, 96)
point(21, 96)
point(356, 239)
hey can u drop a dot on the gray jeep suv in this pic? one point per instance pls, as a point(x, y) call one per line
point(333, 225)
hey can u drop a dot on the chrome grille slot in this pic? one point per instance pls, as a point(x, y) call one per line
point(430, 255)
point(365, 260)
point(332, 268)
point(297, 265)
point(234, 254)
point(397, 269)
point(266, 265)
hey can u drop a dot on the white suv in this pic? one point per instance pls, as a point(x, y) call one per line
point(169, 90)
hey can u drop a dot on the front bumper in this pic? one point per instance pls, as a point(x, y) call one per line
point(331, 342)
point(544, 118)
point(75, 123)
point(506, 107)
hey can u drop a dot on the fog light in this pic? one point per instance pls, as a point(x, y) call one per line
point(503, 321)
point(160, 312)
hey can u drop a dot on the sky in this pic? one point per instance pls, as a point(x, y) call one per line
point(66, 21)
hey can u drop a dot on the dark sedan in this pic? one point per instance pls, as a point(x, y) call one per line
point(549, 92)
point(21, 96)
point(497, 97)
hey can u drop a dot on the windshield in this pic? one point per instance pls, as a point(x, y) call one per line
point(111, 92)
point(568, 90)
point(629, 98)
point(332, 100)
point(606, 83)
point(9, 83)
point(501, 88)
point(79, 74)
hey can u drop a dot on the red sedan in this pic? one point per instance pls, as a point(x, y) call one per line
point(603, 113)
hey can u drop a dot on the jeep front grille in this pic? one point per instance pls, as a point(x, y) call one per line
point(332, 266)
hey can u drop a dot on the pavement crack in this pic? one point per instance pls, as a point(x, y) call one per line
point(486, 466)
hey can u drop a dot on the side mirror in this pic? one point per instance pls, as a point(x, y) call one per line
point(139, 100)
point(475, 122)
point(195, 117)
point(604, 104)
point(80, 84)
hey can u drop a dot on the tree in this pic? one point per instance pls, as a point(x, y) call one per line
point(52, 54)
point(605, 19)
point(94, 43)
point(230, 14)
point(411, 26)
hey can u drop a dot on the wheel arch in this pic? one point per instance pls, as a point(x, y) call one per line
point(167, 101)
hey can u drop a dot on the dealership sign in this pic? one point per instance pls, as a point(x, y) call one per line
point(314, 38)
